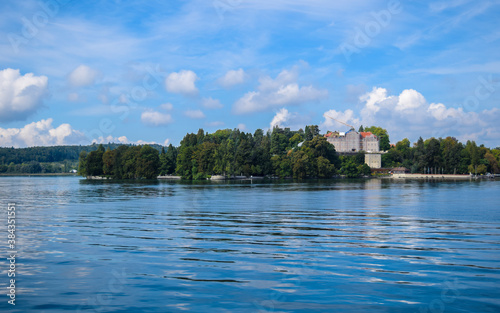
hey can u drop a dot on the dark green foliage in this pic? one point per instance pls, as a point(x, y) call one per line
point(364, 170)
point(148, 163)
point(349, 167)
point(277, 153)
point(447, 156)
point(58, 159)
point(168, 160)
point(82, 164)
point(94, 163)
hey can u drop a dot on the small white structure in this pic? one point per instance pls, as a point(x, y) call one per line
point(374, 160)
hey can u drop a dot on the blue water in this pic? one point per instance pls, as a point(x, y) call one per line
point(316, 246)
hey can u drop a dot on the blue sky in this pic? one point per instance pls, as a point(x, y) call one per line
point(73, 72)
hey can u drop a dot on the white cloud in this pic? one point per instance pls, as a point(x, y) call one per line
point(210, 103)
point(410, 115)
point(167, 106)
point(166, 142)
point(282, 91)
point(242, 127)
point(280, 118)
point(232, 78)
point(40, 133)
point(82, 76)
point(409, 100)
point(107, 139)
point(143, 142)
point(283, 118)
point(123, 139)
point(182, 82)
point(155, 118)
point(347, 117)
point(20, 96)
point(195, 114)
point(373, 99)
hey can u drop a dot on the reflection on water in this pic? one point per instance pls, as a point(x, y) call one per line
point(243, 246)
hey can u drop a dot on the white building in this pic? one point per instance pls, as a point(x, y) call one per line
point(352, 142)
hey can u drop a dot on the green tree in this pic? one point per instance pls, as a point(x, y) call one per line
point(382, 134)
point(94, 163)
point(168, 160)
point(301, 165)
point(325, 168)
point(492, 162)
point(349, 168)
point(129, 162)
point(148, 163)
point(109, 165)
point(364, 169)
point(82, 164)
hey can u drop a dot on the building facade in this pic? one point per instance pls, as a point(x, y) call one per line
point(373, 160)
point(353, 141)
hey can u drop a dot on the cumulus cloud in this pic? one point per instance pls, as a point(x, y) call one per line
point(82, 76)
point(281, 117)
point(210, 103)
point(410, 99)
point(195, 114)
point(44, 133)
point(20, 95)
point(410, 115)
point(347, 117)
point(167, 106)
point(155, 118)
point(373, 100)
point(232, 78)
point(242, 127)
point(109, 138)
point(40, 133)
point(278, 92)
point(182, 82)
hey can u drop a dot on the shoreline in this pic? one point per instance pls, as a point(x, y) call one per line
point(435, 176)
point(38, 174)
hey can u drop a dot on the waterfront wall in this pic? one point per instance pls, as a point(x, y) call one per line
point(432, 176)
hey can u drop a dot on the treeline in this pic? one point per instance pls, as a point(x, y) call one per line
point(282, 153)
point(35, 160)
point(35, 167)
point(279, 153)
point(447, 156)
point(124, 162)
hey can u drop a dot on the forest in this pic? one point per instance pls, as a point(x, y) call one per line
point(282, 153)
point(39, 160)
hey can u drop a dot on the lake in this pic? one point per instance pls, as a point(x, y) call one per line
point(252, 246)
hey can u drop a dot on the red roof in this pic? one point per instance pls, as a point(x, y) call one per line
point(366, 134)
